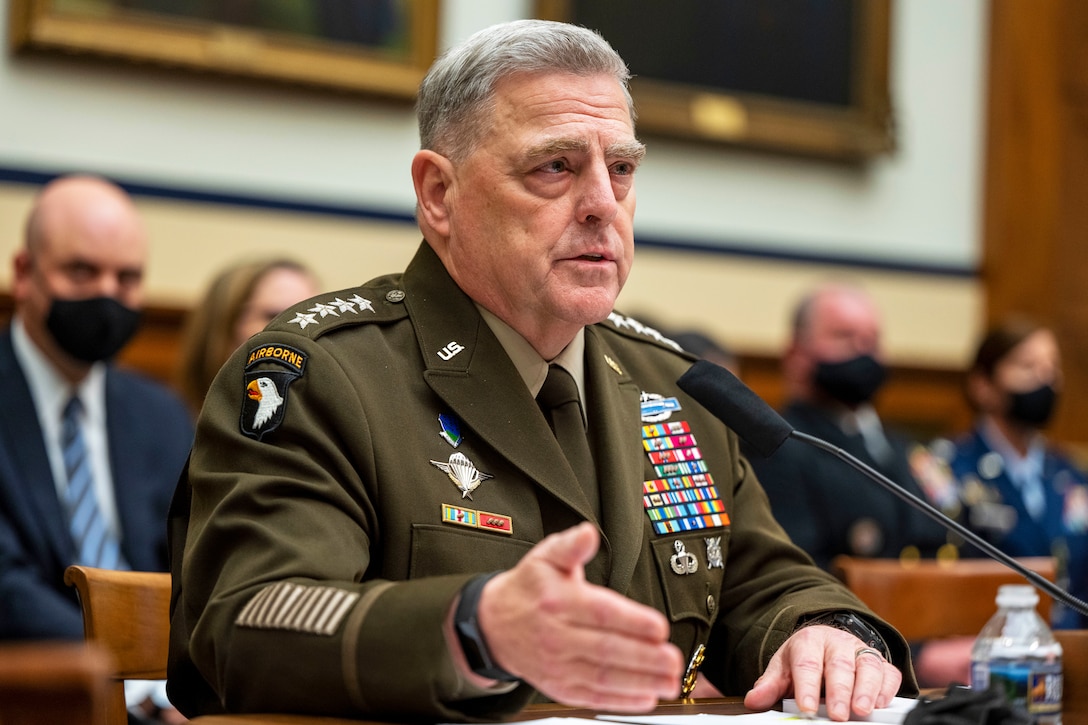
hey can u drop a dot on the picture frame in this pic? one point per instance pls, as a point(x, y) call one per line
point(376, 47)
point(790, 76)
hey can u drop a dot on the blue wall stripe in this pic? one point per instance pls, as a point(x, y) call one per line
point(731, 247)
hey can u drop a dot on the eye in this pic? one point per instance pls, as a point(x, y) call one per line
point(555, 166)
point(80, 271)
point(624, 168)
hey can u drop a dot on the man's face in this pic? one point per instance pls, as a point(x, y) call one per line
point(541, 212)
point(843, 325)
point(90, 245)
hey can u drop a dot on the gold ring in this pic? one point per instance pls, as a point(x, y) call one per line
point(867, 651)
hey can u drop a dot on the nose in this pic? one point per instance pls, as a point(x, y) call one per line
point(597, 198)
point(107, 285)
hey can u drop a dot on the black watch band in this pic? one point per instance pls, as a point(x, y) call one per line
point(470, 635)
point(855, 625)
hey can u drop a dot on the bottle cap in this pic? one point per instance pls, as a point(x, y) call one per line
point(1017, 595)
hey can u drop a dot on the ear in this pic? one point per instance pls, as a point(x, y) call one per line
point(794, 368)
point(982, 393)
point(432, 176)
point(22, 266)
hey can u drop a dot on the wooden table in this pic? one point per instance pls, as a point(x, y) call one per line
point(714, 706)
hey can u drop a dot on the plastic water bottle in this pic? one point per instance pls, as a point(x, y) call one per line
point(1017, 651)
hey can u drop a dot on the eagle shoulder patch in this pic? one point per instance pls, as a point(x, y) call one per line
point(269, 371)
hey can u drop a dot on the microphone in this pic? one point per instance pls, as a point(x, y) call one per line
point(735, 404)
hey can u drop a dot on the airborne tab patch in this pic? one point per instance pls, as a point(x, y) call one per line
point(265, 398)
point(283, 354)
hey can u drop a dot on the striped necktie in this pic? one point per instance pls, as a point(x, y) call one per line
point(559, 401)
point(95, 545)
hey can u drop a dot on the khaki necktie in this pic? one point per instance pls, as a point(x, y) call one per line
point(562, 408)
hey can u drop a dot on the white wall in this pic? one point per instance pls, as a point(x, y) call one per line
point(920, 205)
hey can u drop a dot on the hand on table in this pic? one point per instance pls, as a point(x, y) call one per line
point(819, 654)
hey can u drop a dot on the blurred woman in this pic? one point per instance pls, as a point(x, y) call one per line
point(239, 302)
point(1020, 492)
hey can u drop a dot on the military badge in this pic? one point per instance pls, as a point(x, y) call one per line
point(990, 466)
point(683, 562)
point(463, 473)
point(656, 408)
point(265, 398)
point(451, 431)
point(714, 552)
point(1075, 510)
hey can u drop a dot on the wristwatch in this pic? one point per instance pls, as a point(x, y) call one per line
point(855, 625)
point(471, 636)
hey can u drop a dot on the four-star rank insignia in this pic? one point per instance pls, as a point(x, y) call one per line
point(265, 397)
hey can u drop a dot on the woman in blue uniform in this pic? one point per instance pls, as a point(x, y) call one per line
point(1020, 492)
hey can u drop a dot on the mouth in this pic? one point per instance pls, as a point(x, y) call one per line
point(591, 257)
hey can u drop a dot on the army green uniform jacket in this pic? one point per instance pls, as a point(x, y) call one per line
point(327, 521)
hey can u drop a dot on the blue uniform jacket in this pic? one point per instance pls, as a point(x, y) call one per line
point(984, 483)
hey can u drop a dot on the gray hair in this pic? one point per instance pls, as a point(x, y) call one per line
point(459, 90)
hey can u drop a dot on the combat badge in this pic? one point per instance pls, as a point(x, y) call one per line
point(265, 399)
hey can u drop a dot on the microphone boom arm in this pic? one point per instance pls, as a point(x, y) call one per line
point(1035, 578)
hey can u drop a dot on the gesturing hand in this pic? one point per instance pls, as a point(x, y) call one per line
point(577, 643)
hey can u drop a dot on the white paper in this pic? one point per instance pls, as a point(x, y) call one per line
point(703, 719)
point(894, 713)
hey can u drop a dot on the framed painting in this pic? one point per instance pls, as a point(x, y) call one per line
point(798, 76)
point(381, 47)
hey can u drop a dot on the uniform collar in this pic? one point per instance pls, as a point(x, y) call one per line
point(532, 368)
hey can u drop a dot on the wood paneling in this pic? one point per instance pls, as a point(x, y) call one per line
point(1036, 214)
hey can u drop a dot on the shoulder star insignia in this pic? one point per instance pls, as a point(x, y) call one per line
point(344, 306)
point(364, 304)
point(302, 319)
point(323, 310)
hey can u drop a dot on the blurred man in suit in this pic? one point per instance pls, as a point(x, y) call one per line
point(832, 369)
point(92, 453)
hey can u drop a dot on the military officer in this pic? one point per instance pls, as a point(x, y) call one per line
point(378, 518)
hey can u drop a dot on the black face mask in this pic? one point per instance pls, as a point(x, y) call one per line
point(1034, 407)
point(851, 382)
point(93, 329)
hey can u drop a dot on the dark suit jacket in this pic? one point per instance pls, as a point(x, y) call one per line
point(149, 432)
point(828, 508)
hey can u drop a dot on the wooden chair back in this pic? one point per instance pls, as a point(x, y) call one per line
point(127, 613)
point(1074, 674)
point(51, 682)
point(929, 599)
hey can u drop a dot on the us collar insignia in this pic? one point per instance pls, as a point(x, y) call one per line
point(656, 408)
point(463, 473)
point(451, 432)
point(613, 364)
point(265, 401)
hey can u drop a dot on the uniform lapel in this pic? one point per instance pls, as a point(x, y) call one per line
point(468, 368)
point(614, 397)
